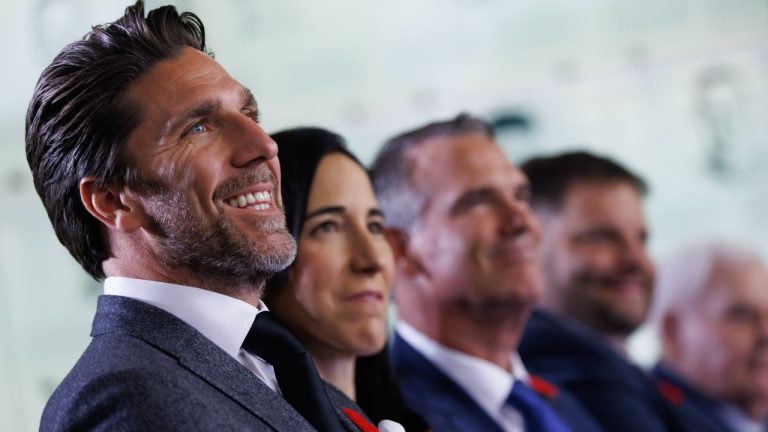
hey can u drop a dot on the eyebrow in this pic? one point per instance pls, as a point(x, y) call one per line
point(246, 97)
point(206, 109)
point(339, 209)
point(324, 210)
point(464, 200)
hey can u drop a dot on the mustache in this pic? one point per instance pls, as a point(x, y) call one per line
point(261, 174)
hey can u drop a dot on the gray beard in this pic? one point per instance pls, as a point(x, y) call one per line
point(215, 255)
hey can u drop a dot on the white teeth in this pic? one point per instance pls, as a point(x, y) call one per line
point(251, 199)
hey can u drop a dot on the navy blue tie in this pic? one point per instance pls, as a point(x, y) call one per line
point(538, 416)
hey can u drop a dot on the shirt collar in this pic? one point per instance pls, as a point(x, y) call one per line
point(488, 384)
point(223, 319)
point(739, 420)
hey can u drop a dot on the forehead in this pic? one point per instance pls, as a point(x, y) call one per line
point(176, 85)
point(744, 281)
point(455, 163)
point(340, 181)
point(618, 201)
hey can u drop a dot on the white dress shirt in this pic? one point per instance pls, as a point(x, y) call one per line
point(738, 420)
point(223, 319)
point(485, 382)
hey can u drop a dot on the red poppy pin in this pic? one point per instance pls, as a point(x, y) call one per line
point(359, 420)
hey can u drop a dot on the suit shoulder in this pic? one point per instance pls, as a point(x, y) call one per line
point(139, 388)
point(119, 399)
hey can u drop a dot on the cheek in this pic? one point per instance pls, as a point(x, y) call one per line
point(443, 254)
point(715, 351)
point(182, 163)
point(562, 265)
point(314, 284)
point(594, 259)
point(737, 345)
point(387, 266)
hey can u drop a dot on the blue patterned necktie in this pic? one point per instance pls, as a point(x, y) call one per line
point(538, 416)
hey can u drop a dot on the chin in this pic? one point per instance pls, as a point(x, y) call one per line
point(370, 342)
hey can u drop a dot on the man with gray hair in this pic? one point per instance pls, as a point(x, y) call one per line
point(711, 312)
point(467, 274)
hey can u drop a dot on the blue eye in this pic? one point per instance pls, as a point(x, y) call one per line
point(198, 128)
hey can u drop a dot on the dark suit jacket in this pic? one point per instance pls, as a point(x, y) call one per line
point(147, 370)
point(617, 393)
point(446, 407)
point(694, 411)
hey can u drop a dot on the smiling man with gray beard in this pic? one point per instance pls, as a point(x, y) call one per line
point(159, 179)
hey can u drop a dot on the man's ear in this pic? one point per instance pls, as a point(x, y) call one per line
point(670, 334)
point(405, 259)
point(116, 207)
point(670, 325)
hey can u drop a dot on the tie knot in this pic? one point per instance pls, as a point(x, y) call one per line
point(269, 339)
point(538, 416)
point(522, 395)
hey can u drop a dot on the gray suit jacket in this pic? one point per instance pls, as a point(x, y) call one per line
point(147, 370)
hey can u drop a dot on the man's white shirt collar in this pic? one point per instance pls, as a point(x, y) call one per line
point(739, 420)
point(223, 319)
point(486, 383)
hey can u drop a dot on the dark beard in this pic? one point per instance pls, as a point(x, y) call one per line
point(215, 255)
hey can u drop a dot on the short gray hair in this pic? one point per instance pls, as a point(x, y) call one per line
point(391, 171)
point(682, 277)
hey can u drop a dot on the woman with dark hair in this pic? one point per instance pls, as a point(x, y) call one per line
point(335, 295)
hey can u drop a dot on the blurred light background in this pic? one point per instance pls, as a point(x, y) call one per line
point(677, 90)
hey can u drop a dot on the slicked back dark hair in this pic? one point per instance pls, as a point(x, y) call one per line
point(391, 170)
point(79, 118)
point(551, 176)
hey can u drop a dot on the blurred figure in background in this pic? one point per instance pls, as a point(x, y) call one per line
point(335, 296)
point(598, 283)
point(466, 276)
point(711, 312)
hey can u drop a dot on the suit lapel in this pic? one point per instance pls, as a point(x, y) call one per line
point(197, 354)
point(436, 397)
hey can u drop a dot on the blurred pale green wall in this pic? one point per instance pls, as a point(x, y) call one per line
point(677, 90)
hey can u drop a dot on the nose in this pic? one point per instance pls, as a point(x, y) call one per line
point(251, 144)
point(367, 255)
point(635, 255)
point(517, 218)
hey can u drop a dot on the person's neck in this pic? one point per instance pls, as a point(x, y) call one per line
point(337, 369)
point(150, 270)
point(490, 335)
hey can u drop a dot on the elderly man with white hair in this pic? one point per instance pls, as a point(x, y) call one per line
point(711, 312)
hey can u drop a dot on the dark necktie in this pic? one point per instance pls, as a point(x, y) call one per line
point(538, 416)
point(296, 374)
